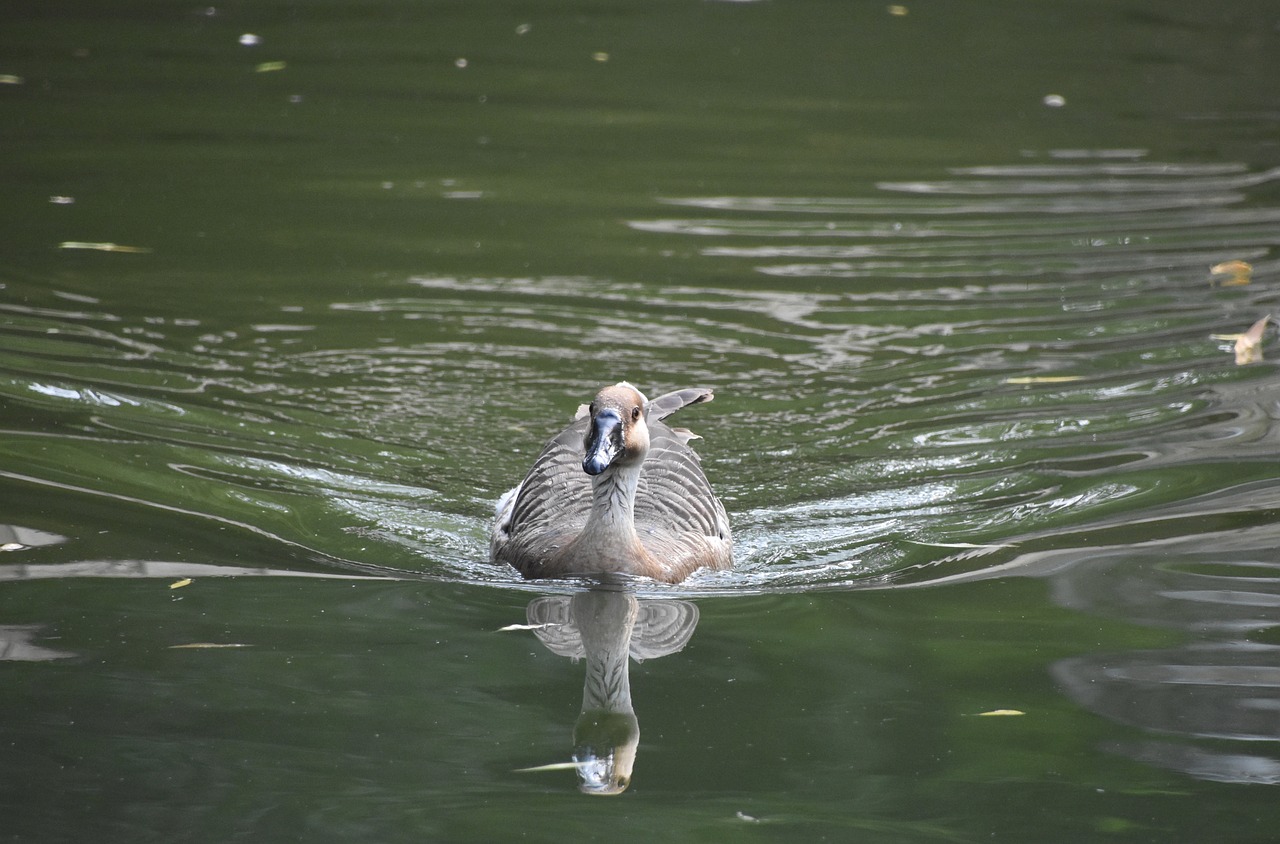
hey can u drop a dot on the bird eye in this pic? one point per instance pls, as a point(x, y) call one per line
point(635, 413)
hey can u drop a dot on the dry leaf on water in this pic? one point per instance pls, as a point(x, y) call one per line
point(1249, 344)
point(1239, 273)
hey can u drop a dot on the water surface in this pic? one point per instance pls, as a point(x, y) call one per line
point(284, 315)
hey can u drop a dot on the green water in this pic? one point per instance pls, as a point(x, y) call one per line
point(981, 439)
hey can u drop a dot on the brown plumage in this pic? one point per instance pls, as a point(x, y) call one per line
point(617, 491)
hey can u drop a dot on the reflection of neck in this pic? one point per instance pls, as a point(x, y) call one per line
point(607, 735)
point(605, 621)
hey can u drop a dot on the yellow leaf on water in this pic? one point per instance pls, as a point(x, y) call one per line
point(1249, 344)
point(178, 584)
point(268, 67)
point(1239, 273)
point(102, 247)
point(1001, 712)
point(1043, 379)
point(10, 79)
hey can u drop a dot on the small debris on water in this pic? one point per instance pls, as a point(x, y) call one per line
point(1239, 273)
point(1249, 344)
point(102, 247)
point(554, 766)
point(1043, 379)
point(512, 627)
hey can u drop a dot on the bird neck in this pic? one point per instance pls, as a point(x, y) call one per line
point(613, 500)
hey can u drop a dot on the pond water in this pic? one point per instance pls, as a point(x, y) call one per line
point(292, 293)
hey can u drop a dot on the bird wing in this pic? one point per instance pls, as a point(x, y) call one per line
point(551, 504)
point(674, 496)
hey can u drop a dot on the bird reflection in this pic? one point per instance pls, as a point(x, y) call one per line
point(606, 625)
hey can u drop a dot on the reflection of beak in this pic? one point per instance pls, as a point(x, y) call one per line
point(605, 751)
point(604, 441)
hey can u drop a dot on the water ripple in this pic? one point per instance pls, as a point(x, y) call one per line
point(924, 383)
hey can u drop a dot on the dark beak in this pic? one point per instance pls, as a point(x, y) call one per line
point(604, 441)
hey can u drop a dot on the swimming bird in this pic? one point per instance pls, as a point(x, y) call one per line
point(617, 491)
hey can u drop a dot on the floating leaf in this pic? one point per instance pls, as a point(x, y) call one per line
point(1239, 273)
point(178, 584)
point(1249, 344)
point(554, 766)
point(1043, 379)
point(511, 627)
point(10, 79)
point(999, 712)
point(269, 67)
point(207, 646)
point(102, 247)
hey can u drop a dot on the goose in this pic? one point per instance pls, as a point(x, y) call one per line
point(618, 491)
